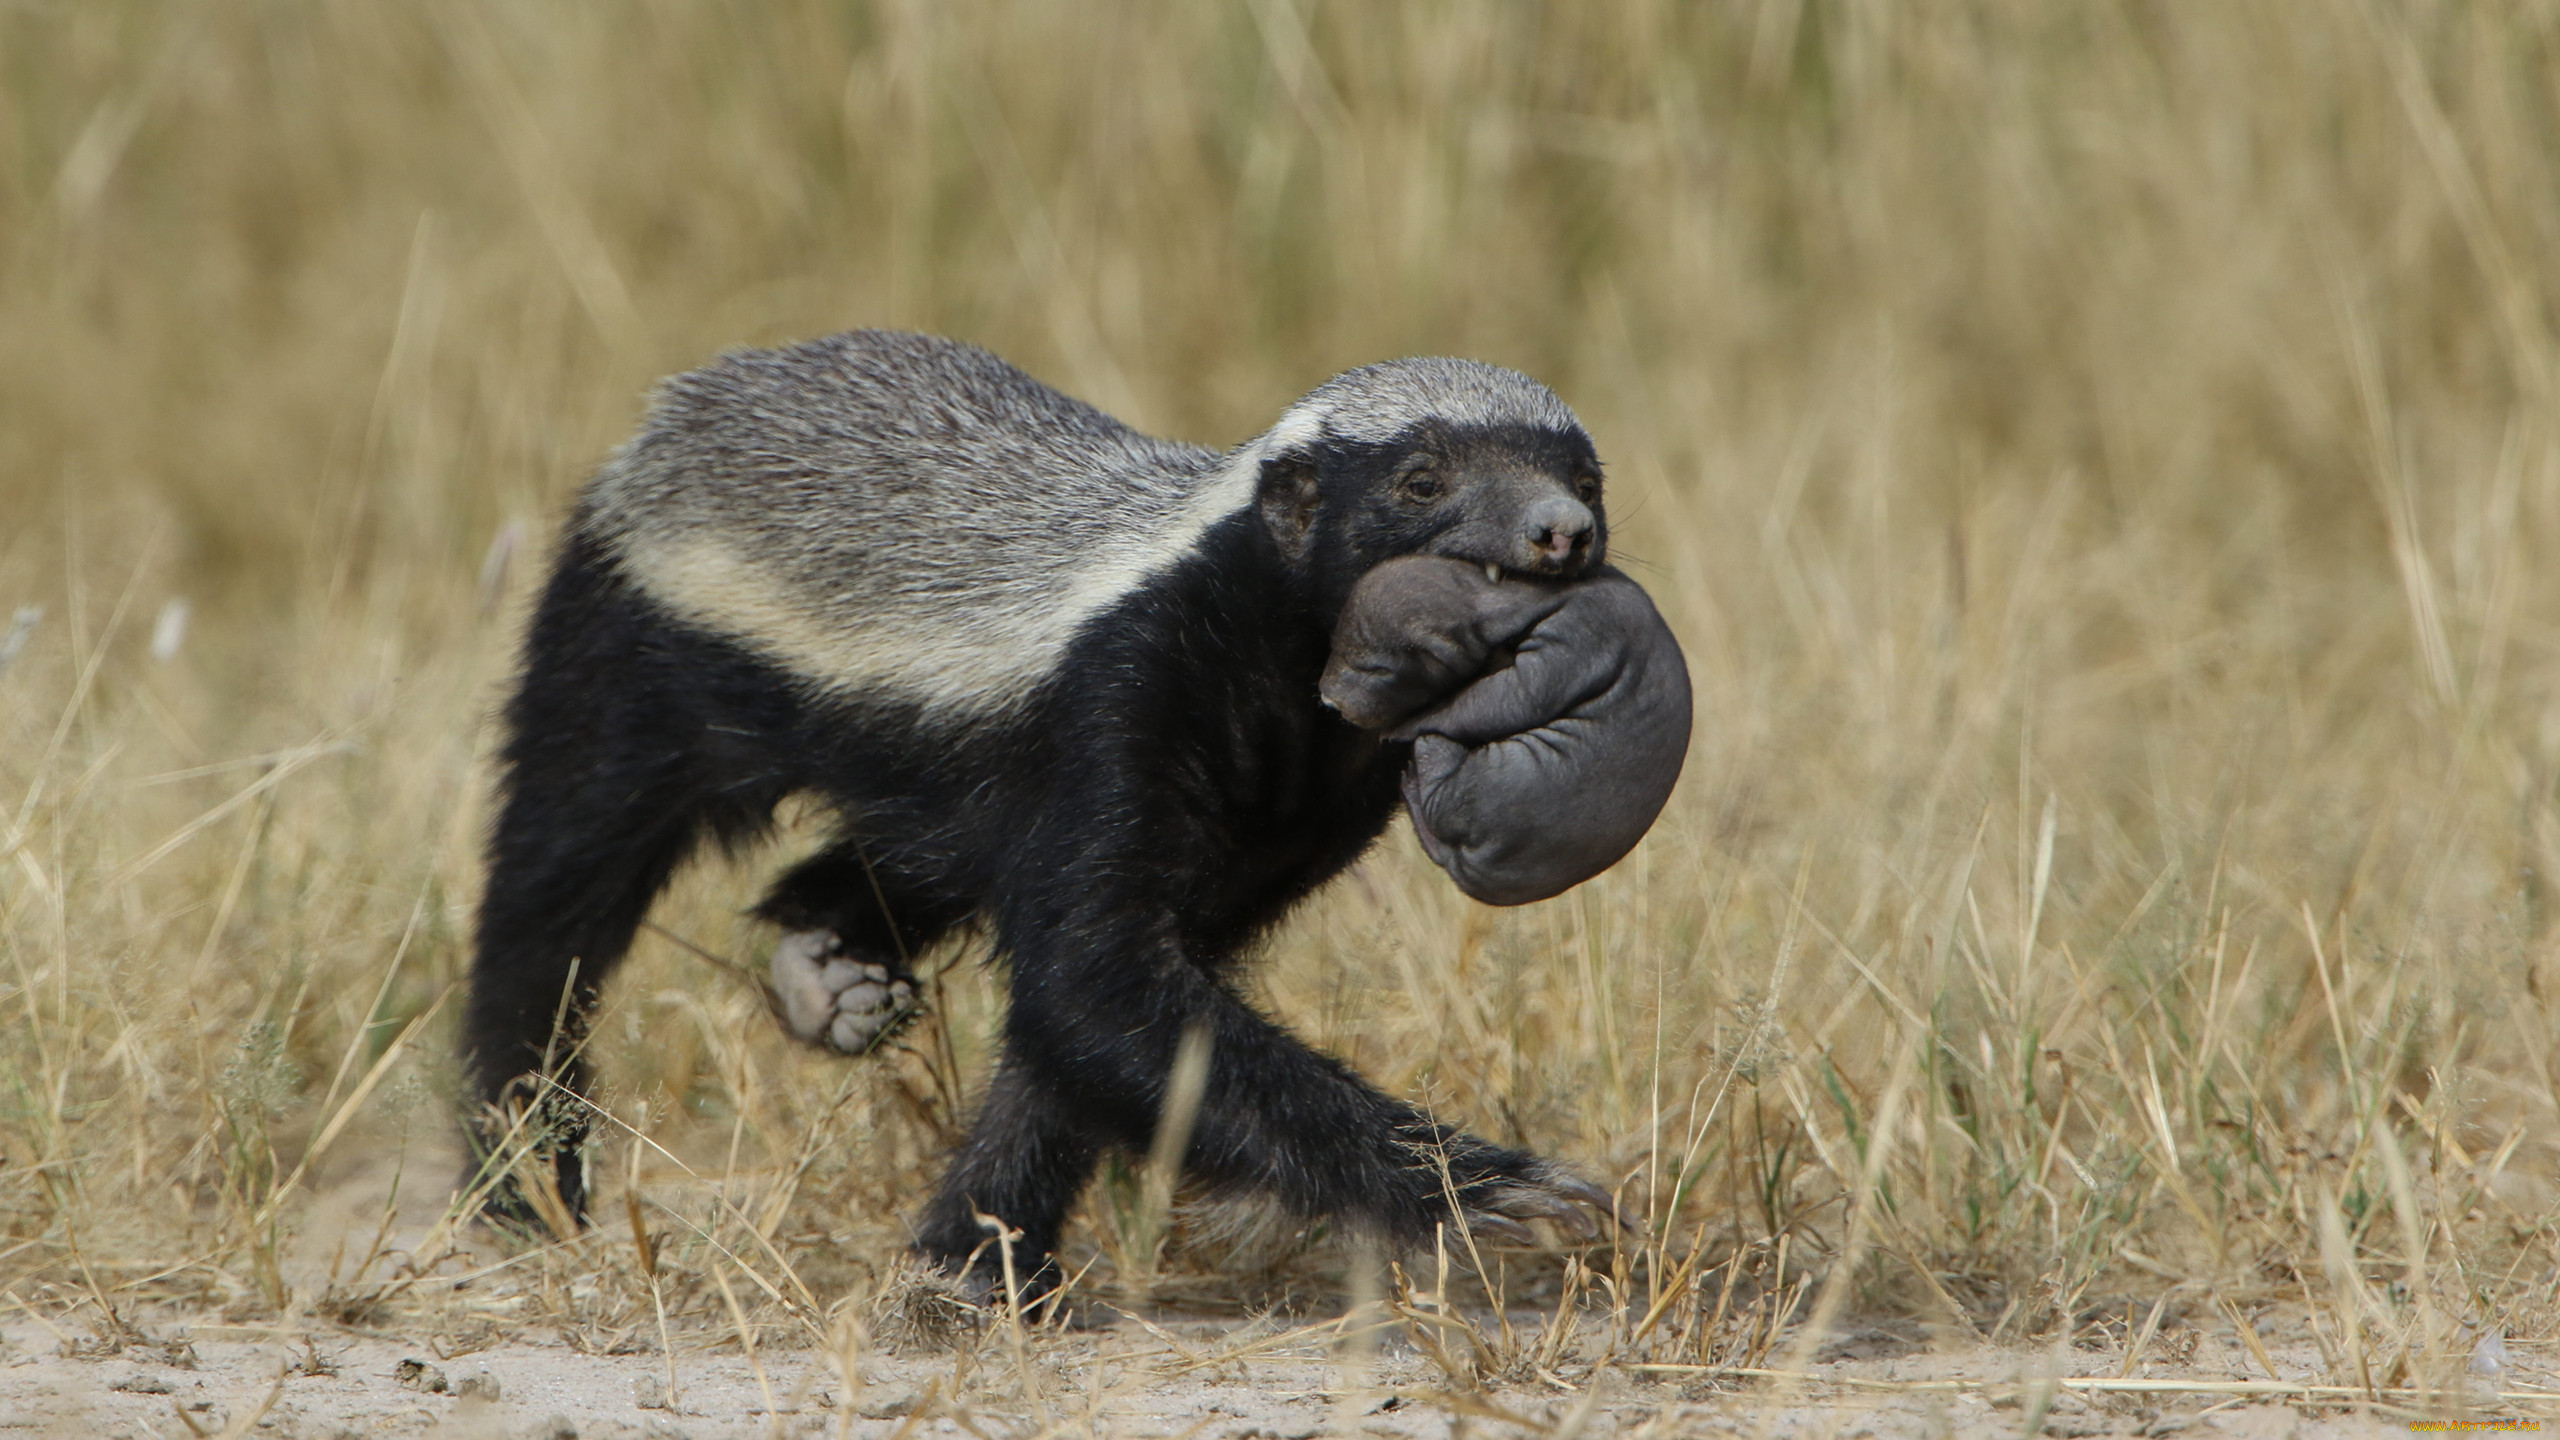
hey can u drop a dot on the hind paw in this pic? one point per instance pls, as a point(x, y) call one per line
point(828, 997)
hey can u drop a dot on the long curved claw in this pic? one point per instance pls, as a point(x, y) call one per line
point(1500, 1228)
point(1583, 1192)
point(1523, 1203)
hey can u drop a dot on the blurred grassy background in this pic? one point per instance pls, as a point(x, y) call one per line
point(2102, 460)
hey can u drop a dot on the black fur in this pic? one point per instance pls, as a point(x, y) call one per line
point(1161, 800)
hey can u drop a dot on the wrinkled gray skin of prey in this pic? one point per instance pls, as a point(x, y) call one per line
point(1563, 737)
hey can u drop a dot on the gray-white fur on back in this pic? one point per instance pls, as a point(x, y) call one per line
point(1377, 403)
point(911, 517)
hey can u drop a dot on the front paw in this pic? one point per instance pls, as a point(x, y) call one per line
point(1498, 1202)
point(829, 998)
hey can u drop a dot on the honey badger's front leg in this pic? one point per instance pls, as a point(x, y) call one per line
point(1100, 1003)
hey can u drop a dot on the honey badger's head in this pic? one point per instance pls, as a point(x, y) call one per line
point(1431, 457)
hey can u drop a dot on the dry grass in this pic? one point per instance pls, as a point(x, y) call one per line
point(2096, 456)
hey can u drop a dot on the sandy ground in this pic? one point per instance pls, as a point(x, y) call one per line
point(1168, 1376)
point(1119, 1381)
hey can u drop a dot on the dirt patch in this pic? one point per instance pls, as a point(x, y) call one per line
point(1163, 1378)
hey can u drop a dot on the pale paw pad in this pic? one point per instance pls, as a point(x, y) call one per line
point(830, 998)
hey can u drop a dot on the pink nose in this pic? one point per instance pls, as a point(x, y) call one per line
point(1556, 526)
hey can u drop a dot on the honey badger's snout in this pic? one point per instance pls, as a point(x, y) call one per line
point(1526, 520)
point(1555, 533)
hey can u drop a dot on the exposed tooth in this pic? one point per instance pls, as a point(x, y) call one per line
point(1492, 571)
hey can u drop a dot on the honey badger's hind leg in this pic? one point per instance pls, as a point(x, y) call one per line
point(573, 868)
point(842, 975)
point(621, 754)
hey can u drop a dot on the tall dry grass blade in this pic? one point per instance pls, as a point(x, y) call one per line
point(340, 1118)
point(1176, 1115)
point(2434, 1332)
point(77, 700)
point(286, 767)
point(1883, 1133)
point(747, 1343)
point(2347, 1297)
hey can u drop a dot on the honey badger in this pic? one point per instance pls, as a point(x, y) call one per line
point(1055, 677)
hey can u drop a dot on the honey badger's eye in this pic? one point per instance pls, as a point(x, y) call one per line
point(1586, 487)
point(1421, 482)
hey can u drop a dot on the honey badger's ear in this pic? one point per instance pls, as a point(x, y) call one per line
point(1288, 496)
